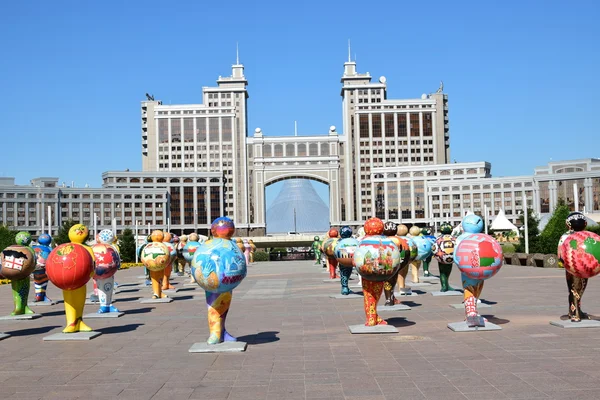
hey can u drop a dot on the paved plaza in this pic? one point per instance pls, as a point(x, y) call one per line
point(299, 345)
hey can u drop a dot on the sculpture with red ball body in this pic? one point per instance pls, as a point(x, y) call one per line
point(579, 253)
point(69, 267)
point(376, 259)
point(479, 257)
point(329, 251)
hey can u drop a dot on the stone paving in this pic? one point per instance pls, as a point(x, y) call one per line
point(299, 345)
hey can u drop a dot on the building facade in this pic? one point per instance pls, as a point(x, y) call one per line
point(391, 159)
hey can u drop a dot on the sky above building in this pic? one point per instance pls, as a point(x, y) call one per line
point(521, 76)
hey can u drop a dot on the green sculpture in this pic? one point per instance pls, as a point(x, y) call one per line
point(316, 247)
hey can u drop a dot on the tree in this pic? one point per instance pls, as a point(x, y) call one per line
point(554, 229)
point(127, 246)
point(533, 234)
point(63, 232)
point(7, 237)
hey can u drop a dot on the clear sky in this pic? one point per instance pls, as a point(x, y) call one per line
point(521, 76)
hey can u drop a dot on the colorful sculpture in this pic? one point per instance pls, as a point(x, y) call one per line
point(252, 250)
point(443, 251)
point(167, 240)
point(427, 233)
point(180, 261)
point(329, 250)
point(316, 248)
point(376, 259)
point(424, 246)
point(390, 229)
point(107, 262)
point(479, 257)
point(247, 249)
point(156, 257)
point(69, 267)
point(579, 253)
point(344, 255)
point(18, 261)
point(413, 232)
point(401, 232)
point(219, 267)
point(40, 279)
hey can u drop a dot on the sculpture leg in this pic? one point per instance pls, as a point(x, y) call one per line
point(414, 268)
point(94, 296)
point(74, 303)
point(388, 290)
point(157, 278)
point(332, 264)
point(317, 257)
point(147, 273)
point(218, 306)
point(251, 257)
point(166, 285)
point(445, 270)
point(105, 288)
point(247, 256)
point(20, 289)
point(576, 288)
point(372, 293)
point(472, 292)
point(345, 273)
point(40, 283)
point(426, 267)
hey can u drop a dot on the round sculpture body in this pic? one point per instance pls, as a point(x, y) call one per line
point(479, 257)
point(329, 251)
point(344, 251)
point(443, 249)
point(189, 250)
point(107, 261)
point(70, 266)
point(329, 246)
point(218, 265)
point(17, 262)
point(580, 254)
point(423, 247)
point(377, 258)
point(155, 256)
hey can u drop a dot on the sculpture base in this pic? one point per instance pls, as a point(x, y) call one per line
point(225, 347)
point(429, 278)
point(59, 337)
point(448, 293)
point(171, 291)
point(105, 315)
point(141, 277)
point(153, 301)
point(405, 293)
point(362, 329)
point(20, 317)
point(420, 284)
point(584, 323)
point(459, 306)
point(41, 303)
point(190, 284)
point(357, 295)
point(395, 307)
point(331, 280)
point(462, 327)
point(4, 336)
point(89, 302)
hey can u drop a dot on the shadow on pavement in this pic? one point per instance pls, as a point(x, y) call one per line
point(399, 322)
point(32, 331)
point(119, 329)
point(494, 320)
point(182, 297)
point(489, 302)
point(52, 313)
point(259, 338)
point(128, 290)
point(124, 299)
point(411, 303)
point(142, 310)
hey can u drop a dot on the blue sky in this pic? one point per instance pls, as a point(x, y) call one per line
point(521, 75)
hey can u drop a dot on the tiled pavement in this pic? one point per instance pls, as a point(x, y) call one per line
point(300, 346)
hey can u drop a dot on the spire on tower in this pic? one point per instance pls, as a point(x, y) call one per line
point(237, 54)
point(349, 56)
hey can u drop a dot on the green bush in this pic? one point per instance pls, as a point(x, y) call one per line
point(261, 256)
point(280, 250)
point(595, 229)
point(554, 230)
point(507, 248)
point(7, 237)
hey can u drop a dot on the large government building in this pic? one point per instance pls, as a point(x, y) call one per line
point(391, 159)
